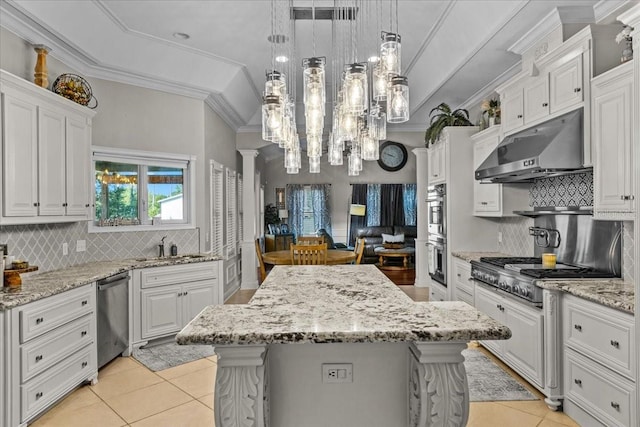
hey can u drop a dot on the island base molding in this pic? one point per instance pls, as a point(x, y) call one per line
point(433, 373)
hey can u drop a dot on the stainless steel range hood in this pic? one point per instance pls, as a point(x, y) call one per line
point(550, 148)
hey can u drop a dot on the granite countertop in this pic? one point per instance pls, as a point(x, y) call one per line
point(475, 256)
point(613, 293)
point(36, 286)
point(330, 304)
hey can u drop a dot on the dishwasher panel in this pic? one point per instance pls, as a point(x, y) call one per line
point(113, 317)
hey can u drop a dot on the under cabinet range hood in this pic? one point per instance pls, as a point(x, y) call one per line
point(550, 148)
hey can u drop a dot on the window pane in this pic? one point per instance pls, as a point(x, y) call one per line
point(165, 193)
point(116, 193)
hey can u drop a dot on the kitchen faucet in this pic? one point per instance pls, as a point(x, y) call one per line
point(161, 247)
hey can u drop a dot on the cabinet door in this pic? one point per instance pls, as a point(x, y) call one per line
point(512, 113)
point(524, 350)
point(487, 198)
point(536, 99)
point(612, 143)
point(161, 311)
point(195, 297)
point(20, 147)
point(436, 159)
point(489, 303)
point(565, 85)
point(51, 162)
point(78, 174)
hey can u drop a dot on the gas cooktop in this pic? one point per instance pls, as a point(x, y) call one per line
point(532, 267)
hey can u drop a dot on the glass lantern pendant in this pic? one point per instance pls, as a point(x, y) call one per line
point(314, 145)
point(390, 51)
point(379, 83)
point(377, 123)
point(314, 83)
point(370, 146)
point(356, 94)
point(398, 100)
point(275, 84)
point(314, 164)
point(272, 119)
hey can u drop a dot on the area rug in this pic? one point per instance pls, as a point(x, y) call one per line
point(488, 382)
point(167, 355)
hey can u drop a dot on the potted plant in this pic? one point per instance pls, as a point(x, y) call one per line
point(442, 118)
point(271, 215)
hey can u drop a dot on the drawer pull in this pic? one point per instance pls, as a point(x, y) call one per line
point(545, 104)
point(38, 358)
point(578, 382)
point(577, 327)
point(615, 406)
point(615, 344)
point(186, 293)
point(83, 333)
point(179, 294)
point(39, 320)
point(84, 364)
point(576, 90)
point(38, 395)
point(85, 302)
point(459, 275)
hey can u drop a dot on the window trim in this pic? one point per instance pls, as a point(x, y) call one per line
point(147, 158)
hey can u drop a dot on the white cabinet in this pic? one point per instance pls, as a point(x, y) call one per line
point(436, 163)
point(165, 299)
point(463, 287)
point(614, 195)
point(46, 164)
point(437, 292)
point(524, 351)
point(50, 350)
point(599, 363)
point(565, 85)
point(512, 108)
point(536, 99)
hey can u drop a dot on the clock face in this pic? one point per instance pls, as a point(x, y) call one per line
point(393, 156)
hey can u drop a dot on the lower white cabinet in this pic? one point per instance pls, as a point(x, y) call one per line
point(463, 287)
point(49, 348)
point(437, 292)
point(524, 351)
point(165, 299)
point(599, 363)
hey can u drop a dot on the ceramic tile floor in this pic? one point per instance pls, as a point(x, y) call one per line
point(129, 394)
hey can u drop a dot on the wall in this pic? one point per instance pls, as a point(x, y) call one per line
point(127, 117)
point(275, 176)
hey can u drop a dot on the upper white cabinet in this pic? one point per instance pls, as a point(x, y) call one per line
point(565, 85)
point(45, 155)
point(536, 99)
point(614, 195)
point(436, 163)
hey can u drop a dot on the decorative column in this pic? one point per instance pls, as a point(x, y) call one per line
point(438, 389)
point(250, 211)
point(241, 396)
point(553, 349)
point(422, 220)
point(632, 18)
point(41, 72)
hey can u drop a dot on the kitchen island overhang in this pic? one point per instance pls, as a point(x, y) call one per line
point(406, 355)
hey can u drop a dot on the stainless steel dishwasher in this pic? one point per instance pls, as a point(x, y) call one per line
point(113, 317)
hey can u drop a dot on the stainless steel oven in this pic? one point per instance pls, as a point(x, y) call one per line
point(437, 259)
point(436, 210)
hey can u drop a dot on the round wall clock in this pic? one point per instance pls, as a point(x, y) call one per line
point(393, 156)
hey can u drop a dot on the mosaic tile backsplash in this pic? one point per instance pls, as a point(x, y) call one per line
point(628, 251)
point(565, 190)
point(41, 245)
point(515, 236)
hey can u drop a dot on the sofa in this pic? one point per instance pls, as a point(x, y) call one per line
point(373, 238)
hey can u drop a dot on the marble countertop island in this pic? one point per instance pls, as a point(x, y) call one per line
point(613, 293)
point(36, 286)
point(337, 304)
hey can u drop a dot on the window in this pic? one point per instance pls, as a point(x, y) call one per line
point(309, 208)
point(137, 190)
point(217, 182)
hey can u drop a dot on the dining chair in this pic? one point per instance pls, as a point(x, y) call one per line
point(261, 266)
point(309, 254)
point(310, 240)
point(359, 250)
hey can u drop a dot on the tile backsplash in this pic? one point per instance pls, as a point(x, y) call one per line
point(515, 236)
point(565, 190)
point(628, 251)
point(41, 245)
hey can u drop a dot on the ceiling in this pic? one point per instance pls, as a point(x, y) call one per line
point(453, 51)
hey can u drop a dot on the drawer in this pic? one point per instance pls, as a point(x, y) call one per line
point(603, 334)
point(176, 274)
point(49, 349)
point(463, 295)
point(462, 276)
point(602, 393)
point(52, 384)
point(45, 315)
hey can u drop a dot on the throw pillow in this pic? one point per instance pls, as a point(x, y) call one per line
point(389, 238)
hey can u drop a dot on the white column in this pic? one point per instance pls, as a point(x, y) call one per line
point(249, 211)
point(632, 18)
point(421, 238)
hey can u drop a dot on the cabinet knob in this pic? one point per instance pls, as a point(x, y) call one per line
point(577, 327)
point(519, 116)
point(83, 333)
point(87, 205)
point(38, 395)
point(578, 89)
point(84, 364)
point(615, 344)
point(615, 406)
point(578, 382)
point(545, 104)
point(38, 358)
point(186, 293)
point(35, 205)
point(85, 302)
point(179, 294)
point(39, 320)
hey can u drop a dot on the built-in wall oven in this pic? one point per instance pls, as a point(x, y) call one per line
point(437, 227)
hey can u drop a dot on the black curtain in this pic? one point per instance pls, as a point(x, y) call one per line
point(391, 205)
point(358, 197)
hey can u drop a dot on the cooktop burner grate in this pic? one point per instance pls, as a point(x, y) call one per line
point(502, 261)
point(576, 273)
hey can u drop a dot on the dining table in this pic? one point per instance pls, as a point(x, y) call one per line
point(334, 256)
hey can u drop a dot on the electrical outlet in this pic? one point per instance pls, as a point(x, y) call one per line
point(65, 248)
point(337, 373)
point(499, 236)
point(81, 245)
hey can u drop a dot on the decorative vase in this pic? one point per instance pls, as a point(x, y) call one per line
point(492, 121)
point(41, 73)
point(627, 53)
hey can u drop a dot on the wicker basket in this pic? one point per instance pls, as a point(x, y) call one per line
point(75, 88)
point(393, 245)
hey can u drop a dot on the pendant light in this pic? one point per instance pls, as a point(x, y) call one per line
point(398, 100)
point(356, 90)
point(390, 53)
point(272, 118)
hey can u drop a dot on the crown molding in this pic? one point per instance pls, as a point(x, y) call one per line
point(631, 17)
point(219, 104)
point(490, 87)
point(250, 129)
point(547, 24)
point(604, 11)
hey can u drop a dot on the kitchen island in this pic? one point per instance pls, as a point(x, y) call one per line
point(397, 362)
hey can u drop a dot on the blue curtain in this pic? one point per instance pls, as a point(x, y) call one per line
point(410, 206)
point(320, 199)
point(373, 205)
point(295, 203)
